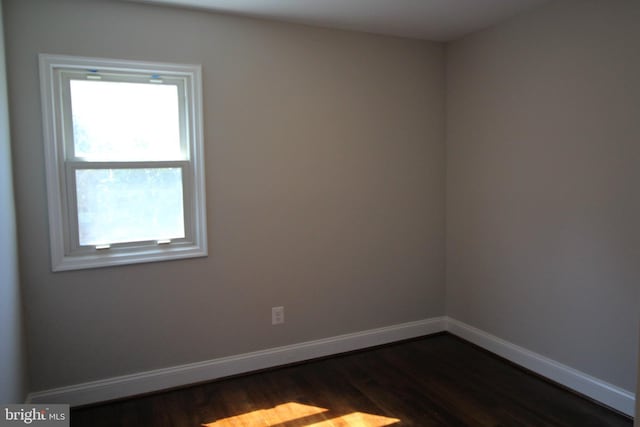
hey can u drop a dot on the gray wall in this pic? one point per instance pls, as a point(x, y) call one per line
point(542, 184)
point(12, 346)
point(325, 187)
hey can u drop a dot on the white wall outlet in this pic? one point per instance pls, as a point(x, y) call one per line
point(277, 315)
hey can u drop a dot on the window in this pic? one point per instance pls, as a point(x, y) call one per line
point(124, 158)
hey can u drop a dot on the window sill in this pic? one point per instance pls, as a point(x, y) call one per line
point(114, 256)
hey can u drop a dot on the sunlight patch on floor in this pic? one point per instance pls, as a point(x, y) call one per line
point(302, 415)
point(357, 419)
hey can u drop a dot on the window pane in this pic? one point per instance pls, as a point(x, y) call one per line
point(125, 121)
point(129, 205)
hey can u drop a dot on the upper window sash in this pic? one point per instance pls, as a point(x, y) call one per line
point(113, 83)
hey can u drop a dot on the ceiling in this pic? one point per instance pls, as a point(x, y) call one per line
point(440, 20)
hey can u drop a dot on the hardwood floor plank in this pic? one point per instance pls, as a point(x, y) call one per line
point(435, 381)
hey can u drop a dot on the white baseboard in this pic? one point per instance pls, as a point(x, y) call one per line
point(150, 381)
point(608, 394)
point(159, 379)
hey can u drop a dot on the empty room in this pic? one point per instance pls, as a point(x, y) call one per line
point(319, 212)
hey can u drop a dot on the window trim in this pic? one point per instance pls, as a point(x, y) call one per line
point(65, 254)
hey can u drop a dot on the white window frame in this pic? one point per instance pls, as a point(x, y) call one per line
point(66, 253)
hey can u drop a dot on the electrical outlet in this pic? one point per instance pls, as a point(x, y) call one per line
point(277, 315)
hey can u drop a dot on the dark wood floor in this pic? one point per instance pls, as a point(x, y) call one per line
point(439, 380)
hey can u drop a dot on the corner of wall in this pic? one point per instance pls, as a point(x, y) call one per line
point(13, 387)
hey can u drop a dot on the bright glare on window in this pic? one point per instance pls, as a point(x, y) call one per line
point(121, 121)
